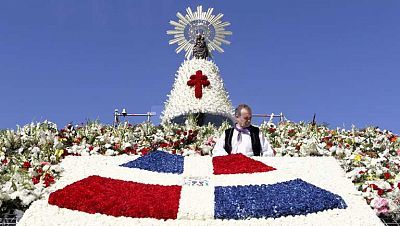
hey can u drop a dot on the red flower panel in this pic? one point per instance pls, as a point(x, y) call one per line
point(238, 163)
point(108, 196)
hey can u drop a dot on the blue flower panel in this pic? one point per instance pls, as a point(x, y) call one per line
point(158, 161)
point(295, 197)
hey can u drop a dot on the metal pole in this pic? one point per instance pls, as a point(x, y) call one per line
point(116, 116)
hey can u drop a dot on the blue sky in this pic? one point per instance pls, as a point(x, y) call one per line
point(70, 61)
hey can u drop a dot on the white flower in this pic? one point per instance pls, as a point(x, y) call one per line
point(348, 152)
point(126, 145)
point(109, 152)
point(373, 162)
point(35, 150)
point(46, 167)
point(56, 168)
point(26, 200)
point(339, 151)
point(53, 158)
point(333, 148)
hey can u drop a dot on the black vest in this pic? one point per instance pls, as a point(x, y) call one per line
point(255, 140)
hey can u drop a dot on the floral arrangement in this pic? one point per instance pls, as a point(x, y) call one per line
point(280, 196)
point(198, 87)
point(30, 156)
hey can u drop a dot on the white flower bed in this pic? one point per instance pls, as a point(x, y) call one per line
point(196, 204)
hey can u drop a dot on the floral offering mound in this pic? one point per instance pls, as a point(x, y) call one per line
point(301, 191)
point(30, 155)
point(184, 99)
point(238, 163)
point(158, 161)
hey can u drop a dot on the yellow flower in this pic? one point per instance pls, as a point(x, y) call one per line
point(59, 152)
point(357, 158)
point(370, 177)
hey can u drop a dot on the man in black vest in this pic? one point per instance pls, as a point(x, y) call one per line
point(243, 137)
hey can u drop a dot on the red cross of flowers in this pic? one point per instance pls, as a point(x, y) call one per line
point(198, 81)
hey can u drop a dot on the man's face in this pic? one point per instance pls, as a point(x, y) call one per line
point(244, 120)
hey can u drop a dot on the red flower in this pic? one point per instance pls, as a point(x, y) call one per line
point(185, 133)
point(374, 187)
point(386, 175)
point(39, 171)
point(5, 161)
point(130, 150)
point(36, 180)
point(145, 151)
point(48, 179)
point(163, 145)
point(271, 130)
point(178, 132)
point(91, 148)
point(380, 192)
point(26, 165)
point(393, 139)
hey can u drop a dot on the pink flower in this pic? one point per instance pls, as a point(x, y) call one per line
point(210, 141)
point(398, 152)
point(381, 206)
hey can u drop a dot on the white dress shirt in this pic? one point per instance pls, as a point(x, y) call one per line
point(241, 143)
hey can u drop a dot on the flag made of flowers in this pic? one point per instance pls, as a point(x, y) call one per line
point(219, 194)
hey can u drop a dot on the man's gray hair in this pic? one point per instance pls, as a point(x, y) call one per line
point(240, 107)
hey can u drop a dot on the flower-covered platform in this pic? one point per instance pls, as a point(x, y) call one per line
point(165, 189)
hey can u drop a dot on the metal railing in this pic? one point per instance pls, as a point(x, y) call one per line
point(271, 116)
point(124, 114)
point(389, 221)
point(8, 219)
